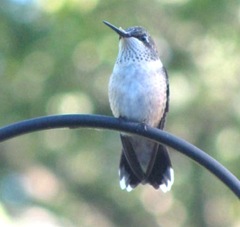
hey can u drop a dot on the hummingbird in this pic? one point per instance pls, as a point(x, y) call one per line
point(139, 91)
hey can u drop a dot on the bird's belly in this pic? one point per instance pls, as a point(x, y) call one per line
point(138, 97)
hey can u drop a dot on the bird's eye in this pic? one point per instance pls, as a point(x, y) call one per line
point(144, 38)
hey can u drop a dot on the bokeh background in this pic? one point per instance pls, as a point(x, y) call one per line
point(56, 57)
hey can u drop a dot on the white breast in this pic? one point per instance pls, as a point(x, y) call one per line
point(137, 91)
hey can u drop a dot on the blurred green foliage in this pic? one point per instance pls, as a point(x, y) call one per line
point(56, 57)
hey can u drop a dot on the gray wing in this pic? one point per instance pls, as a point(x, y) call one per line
point(162, 122)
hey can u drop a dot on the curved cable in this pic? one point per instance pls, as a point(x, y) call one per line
point(111, 123)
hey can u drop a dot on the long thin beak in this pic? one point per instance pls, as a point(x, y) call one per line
point(121, 32)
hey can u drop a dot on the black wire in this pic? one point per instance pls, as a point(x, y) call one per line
point(105, 122)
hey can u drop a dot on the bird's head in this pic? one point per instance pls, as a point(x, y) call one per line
point(135, 44)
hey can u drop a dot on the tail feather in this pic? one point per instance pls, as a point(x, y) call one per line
point(159, 174)
point(128, 180)
point(162, 174)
